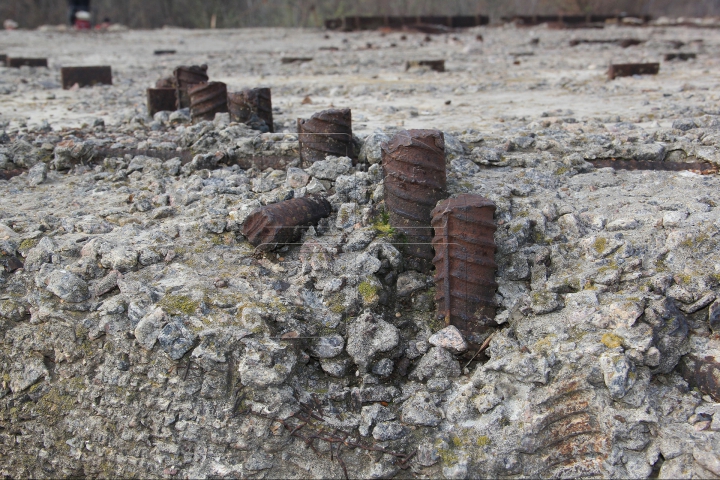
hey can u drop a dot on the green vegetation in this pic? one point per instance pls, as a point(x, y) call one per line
point(179, 304)
point(382, 224)
point(611, 340)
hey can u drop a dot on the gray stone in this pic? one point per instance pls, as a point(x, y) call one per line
point(385, 431)
point(122, 259)
point(37, 174)
point(296, 177)
point(714, 316)
point(383, 368)
point(149, 327)
point(420, 409)
point(410, 282)
point(348, 215)
point(371, 415)
point(371, 151)
point(622, 224)
point(266, 363)
point(684, 124)
point(438, 362)
point(450, 339)
point(368, 336)
point(330, 168)
point(68, 286)
point(619, 373)
point(327, 347)
point(176, 339)
point(315, 186)
point(27, 374)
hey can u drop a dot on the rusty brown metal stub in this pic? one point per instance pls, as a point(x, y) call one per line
point(326, 133)
point(17, 62)
point(207, 99)
point(465, 262)
point(415, 180)
point(679, 56)
point(164, 52)
point(85, 76)
point(161, 99)
point(280, 223)
point(295, 59)
point(630, 69)
point(3, 58)
point(255, 101)
point(436, 65)
point(186, 77)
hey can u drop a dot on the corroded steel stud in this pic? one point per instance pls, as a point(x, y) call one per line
point(85, 76)
point(255, 101)
point(207, 99)
point(630, 69)
point(465, 262)
point(280, 223)
point(326, 133)
point(415, 180)
point(161, 99)
point(186, 77)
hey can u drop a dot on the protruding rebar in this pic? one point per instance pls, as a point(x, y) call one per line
point(255, 101)
point(326, 133)
point(207, 99)
point(186, 77)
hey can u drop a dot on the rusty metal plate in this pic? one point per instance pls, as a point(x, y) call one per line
point(85, 76)
point(17, 62)
point(295, 59)
point(703, 373)
point(255, 101)
point(161, 99)
point(280, 223)
point(564, 438)
point(703, 168)
point(207, 99)
point(186, 77)
point(164, 52)
point(326, 133)
point(437, 65)
point(464, 261)
point(630, 69)
point(679, 56)
point(415, 180)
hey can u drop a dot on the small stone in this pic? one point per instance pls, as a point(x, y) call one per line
point(368, 336)
point(684, 124)
point(714, 316)
point(315, 186)
point(31, 371)
point(348, 215)
point(410, 282)
point(420, 409)
point(383, 368)
point(296, 177)
point(335, 367)
point(545, 302)
point(623, 224)
point(618, 372)
point(327, 347)
point(438, 362)
point(385, 431)
point(673, 219)
point(149, 327)
point(176, 339)
point(330, 168)
point(37, 174)
point(68, 286)
point(121, 259)
point(450, 339)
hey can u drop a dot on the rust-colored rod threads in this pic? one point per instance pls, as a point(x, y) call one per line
point(207, 99)
point(254, 101)
point(415, 180)
point(186, 77)
point(280, 223)
point(326, 133)
point(630, 69)
point(465, 262)
point(160, 99)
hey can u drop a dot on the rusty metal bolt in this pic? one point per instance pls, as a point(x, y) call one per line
point(17, 62)
point(207, 99)
point(437, 65)
point(465, 263)
point(85, 76)
point(630, 69)
point(161, 99)
point(326, 133)
point(186, 77)
point(255, 101)
point(415, 180)
point(280, 223)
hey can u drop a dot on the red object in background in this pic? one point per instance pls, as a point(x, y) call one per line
point(82, 24)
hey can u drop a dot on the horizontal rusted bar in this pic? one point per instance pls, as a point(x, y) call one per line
point(437, 65)
point(280, 223)
point(703, 373)
point(3, 58)
point(295, 59)
point(630, 69)
point(679, 56)
point(165, 52)
point(351, 23)
point(705, 168)
point(161, 99)
point(85, 76)
point(8, 174)
point(17, 62)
